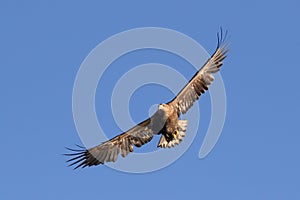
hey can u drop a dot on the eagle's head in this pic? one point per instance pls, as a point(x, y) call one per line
point(167, 109)
point(162, 106)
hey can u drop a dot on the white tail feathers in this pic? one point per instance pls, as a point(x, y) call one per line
point(180, 133)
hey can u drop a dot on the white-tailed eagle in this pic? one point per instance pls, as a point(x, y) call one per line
point(165, 121)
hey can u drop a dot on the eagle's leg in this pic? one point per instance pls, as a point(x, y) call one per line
point(175, 134)
point(170, 140)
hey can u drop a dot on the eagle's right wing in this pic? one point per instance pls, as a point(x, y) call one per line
point(123, 143)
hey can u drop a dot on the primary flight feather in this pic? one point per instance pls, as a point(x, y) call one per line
point(164, 121)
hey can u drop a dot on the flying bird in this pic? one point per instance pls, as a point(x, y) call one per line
point(164, 122)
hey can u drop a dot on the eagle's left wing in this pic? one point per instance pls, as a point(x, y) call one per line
point(202, 79)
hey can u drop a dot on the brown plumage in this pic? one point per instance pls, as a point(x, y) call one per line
point(164, 121)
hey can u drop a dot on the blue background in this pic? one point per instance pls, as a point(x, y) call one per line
point(42, 44)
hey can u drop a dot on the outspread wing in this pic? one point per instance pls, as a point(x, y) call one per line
point(123, 143)
point(202, 79)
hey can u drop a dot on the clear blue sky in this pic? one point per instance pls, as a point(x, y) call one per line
point(42, 45)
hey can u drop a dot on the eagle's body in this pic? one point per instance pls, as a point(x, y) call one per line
point(164, 121)
point(173, 129)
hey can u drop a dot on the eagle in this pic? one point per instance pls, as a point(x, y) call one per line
point(165, 121)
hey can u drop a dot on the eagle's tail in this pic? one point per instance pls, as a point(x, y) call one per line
point(176, 138)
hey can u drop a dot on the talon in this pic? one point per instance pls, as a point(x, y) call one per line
point(175, 134)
